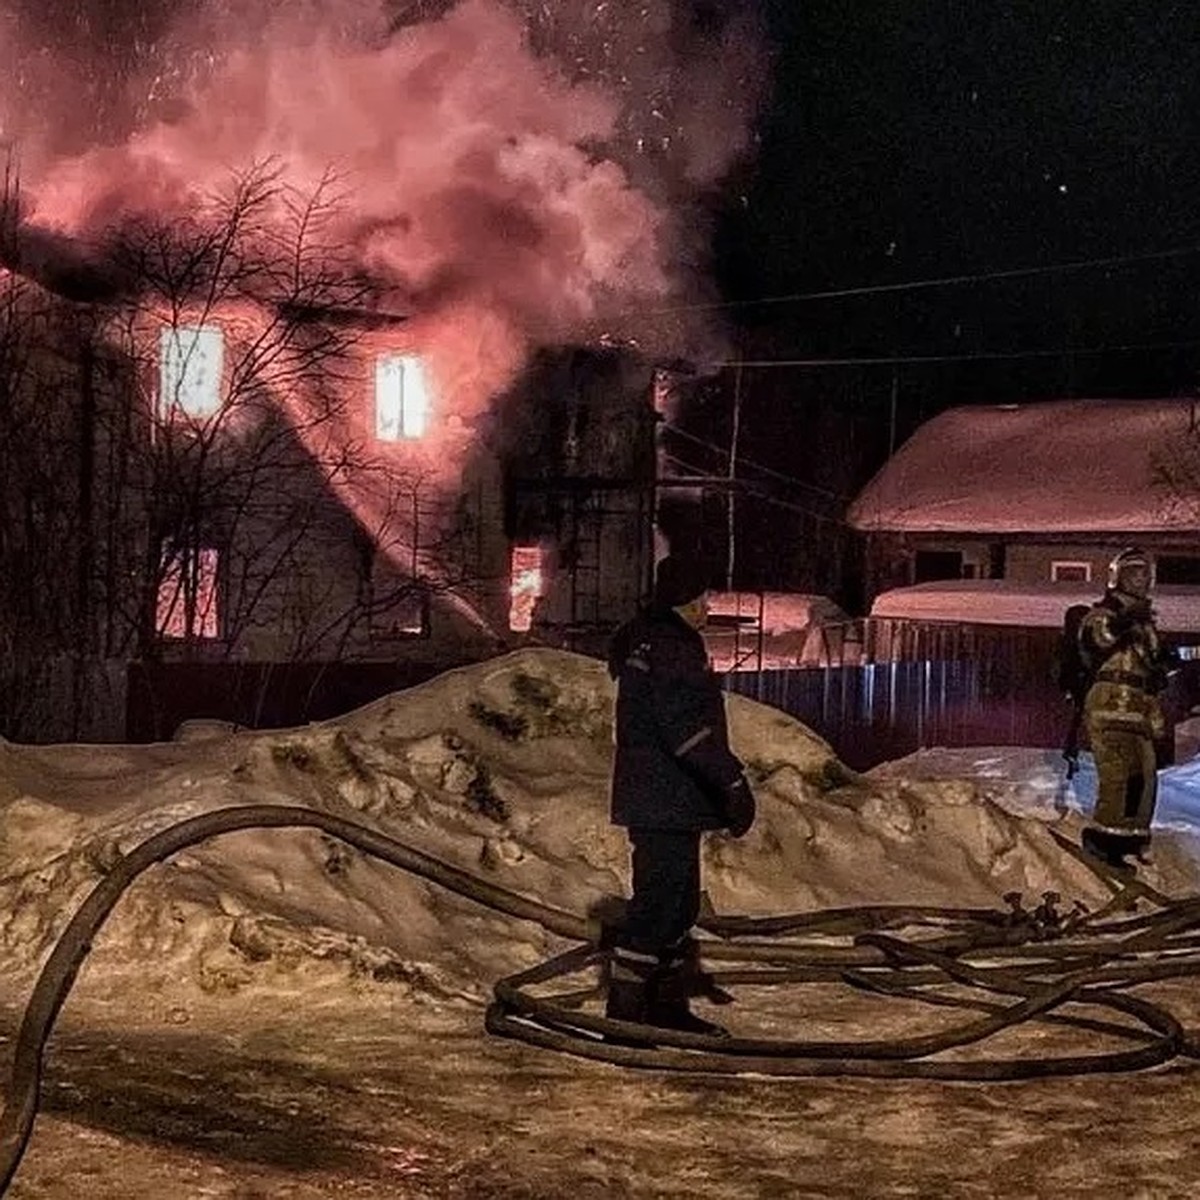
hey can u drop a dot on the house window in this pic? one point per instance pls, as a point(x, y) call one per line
point(401, 398)
point(187, 595)
point(407, 616)
point(1177, 568)
point(1070, 572)
point(932, 565)
point(526, 576)
point(191, 360)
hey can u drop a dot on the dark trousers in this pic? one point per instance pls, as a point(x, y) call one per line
point(666, 890)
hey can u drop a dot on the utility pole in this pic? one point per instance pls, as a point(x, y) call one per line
point(892, 417)
point(732, 475)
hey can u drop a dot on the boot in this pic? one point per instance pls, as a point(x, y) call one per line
point(628, 991)
point(1141, 849)
point(670, 991)
point(628, 1000)
point(1109, 848)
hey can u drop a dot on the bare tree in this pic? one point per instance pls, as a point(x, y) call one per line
point(156, 527)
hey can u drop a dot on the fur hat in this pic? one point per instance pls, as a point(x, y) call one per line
point(678, 581)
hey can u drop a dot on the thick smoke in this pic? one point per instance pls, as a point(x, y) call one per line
point(527, 173)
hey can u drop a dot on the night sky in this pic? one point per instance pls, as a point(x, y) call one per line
point(912, 140)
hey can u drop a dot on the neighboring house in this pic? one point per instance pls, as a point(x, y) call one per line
point(218, 476)
point(1035, 493)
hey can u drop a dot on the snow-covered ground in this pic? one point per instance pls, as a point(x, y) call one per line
point(1034, 782)
point(274, 1014)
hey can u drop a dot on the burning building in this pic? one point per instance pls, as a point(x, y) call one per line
point(284, 425)
point(263, 480)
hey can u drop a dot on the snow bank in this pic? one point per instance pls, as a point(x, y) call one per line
point(780, 612)
point(501, 769)
point(1066, 466)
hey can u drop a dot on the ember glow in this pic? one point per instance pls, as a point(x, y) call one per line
point(526, 587)
point(191, 364)
point(402, 399)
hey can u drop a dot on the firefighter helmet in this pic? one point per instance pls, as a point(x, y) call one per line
point(1129, 560)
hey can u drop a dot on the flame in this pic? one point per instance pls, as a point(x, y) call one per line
point(402, 398)
point(187, 595)
point(526, 588)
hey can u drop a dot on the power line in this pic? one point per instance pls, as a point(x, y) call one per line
point(698, 478)
point(935, 359)
point(912, 285)
point(756, 466)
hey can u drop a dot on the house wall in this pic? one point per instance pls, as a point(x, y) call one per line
point(892, 559)
point(1033, 562)
point(576, 440)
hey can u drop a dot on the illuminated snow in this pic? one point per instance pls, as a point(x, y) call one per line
point(1010, 602)
point(1066, 466)
point(326, 1009)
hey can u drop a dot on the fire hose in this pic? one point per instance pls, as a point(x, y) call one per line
point(1036, 963)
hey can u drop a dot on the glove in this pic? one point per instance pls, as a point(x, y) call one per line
point(740, 809)
point(1122, 623)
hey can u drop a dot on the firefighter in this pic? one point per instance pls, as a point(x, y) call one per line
point(1128, 666)
point(674, 778)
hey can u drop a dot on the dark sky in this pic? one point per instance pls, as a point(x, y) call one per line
point(910, 139)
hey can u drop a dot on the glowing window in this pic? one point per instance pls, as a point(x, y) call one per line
point(525, 573)
point(191, 359)
point(401, 398)
point(1071, 572)
point(187, 595)
point(401, 613)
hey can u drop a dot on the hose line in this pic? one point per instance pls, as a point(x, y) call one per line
point(1039, 965)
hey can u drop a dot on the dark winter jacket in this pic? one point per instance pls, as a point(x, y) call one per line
point(674, 769)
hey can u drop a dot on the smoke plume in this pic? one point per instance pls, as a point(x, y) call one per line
point(535, 172)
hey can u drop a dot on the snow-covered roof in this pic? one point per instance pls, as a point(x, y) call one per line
point(1064, 466)
point(1037, 605)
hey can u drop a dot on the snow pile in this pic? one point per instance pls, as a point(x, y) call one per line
point(1067, 466)
point(500, 769)
point(1009, 602)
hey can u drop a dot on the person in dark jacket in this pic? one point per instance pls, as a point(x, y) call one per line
point(674, 778)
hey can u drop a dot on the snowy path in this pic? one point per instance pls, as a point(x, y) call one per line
point(370, 1105)
point(270, 1016)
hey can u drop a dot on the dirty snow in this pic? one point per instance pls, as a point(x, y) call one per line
point(273, 1013)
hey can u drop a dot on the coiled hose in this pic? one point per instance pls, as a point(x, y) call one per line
point(1038, 963)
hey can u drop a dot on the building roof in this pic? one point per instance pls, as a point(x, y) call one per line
point(1036, 605)
point(1064, 466)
